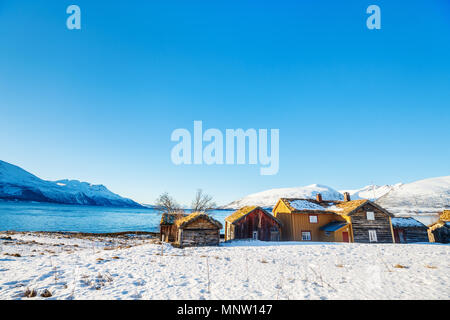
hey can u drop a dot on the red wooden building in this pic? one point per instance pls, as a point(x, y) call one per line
point(252, 223)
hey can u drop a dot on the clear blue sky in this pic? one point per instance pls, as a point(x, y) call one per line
point(353, 106)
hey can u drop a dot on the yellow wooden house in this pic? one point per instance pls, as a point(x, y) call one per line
point(333, 221)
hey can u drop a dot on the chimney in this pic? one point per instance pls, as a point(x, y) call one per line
point(319, 197)
point(346, 196)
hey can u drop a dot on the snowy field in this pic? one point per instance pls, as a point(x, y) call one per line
point(66, 267)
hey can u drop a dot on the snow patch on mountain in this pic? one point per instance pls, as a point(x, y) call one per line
point(428, 196)
point(371, 192)
point(268, 198)
point(19, 185)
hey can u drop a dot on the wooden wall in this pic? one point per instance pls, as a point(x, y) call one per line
point(200, 232)
point(411, 235)
point(336, 236)
point(361, 226)
point(256, 220)
point(300, 222)
point(282, 213)
point(169, 232)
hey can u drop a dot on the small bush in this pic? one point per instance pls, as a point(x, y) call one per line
point(399, 266)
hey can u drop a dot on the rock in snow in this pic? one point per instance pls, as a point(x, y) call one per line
point(19, 185)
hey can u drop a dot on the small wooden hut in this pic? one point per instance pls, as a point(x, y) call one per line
point(252, 222)
point(440, 231)
point(197, 229)
point(168, 229)
point(409, 230)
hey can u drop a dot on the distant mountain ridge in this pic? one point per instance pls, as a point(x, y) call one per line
point(16, 184)
point(268, 198)
point(420, 197)
point(423, 197)
point(371, 192)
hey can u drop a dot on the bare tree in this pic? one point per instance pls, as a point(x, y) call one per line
point(166, 204)
point(202, 202)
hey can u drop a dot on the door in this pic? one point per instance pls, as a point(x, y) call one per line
point(345, 237)
point(401, 236)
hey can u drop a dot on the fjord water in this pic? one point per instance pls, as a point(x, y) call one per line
point(19, 216)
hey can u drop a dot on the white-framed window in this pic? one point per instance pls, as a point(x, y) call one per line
point(255, 235)
point(306, 235)
point(312, 219)
point(370, 215)
point(373, 236)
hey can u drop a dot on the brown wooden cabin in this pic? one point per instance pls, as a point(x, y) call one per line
point(338, 221)
point(197, 229)
point(409, 230)
point(168, 229)
point(440, 231)
point(252, 222)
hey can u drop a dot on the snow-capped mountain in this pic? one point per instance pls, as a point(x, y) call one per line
point(268, 198)
point(371, 192)
point(428, 196)
point(20, 185)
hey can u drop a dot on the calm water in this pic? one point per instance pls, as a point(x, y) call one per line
point(55, 217)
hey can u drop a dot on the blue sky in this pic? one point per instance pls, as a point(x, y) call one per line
point(354, 106)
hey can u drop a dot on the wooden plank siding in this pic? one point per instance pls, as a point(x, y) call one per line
point(200, 232)
point(411, 234)
point(259, 220)
point(361, 226)
point(300, 223)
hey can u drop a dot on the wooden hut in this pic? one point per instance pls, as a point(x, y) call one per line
point(167, 228)
point(339, 221)
point(197, 229)
point(252, 222)
point(440, 231)
point(409, 230)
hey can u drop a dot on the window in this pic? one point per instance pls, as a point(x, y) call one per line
point(370, 215)
point(373, 236)
point(306, 235)
point(255, 235)
point(312, 219)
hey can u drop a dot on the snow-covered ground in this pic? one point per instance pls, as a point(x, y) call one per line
point(115, 268)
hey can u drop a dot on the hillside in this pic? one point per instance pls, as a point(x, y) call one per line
point(426, 196)
point(17, 184)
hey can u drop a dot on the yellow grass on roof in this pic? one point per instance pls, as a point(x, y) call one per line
point(170, 218)
point(194, 216)
point(348, 206)
point(240, 213)
point(445, 215)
